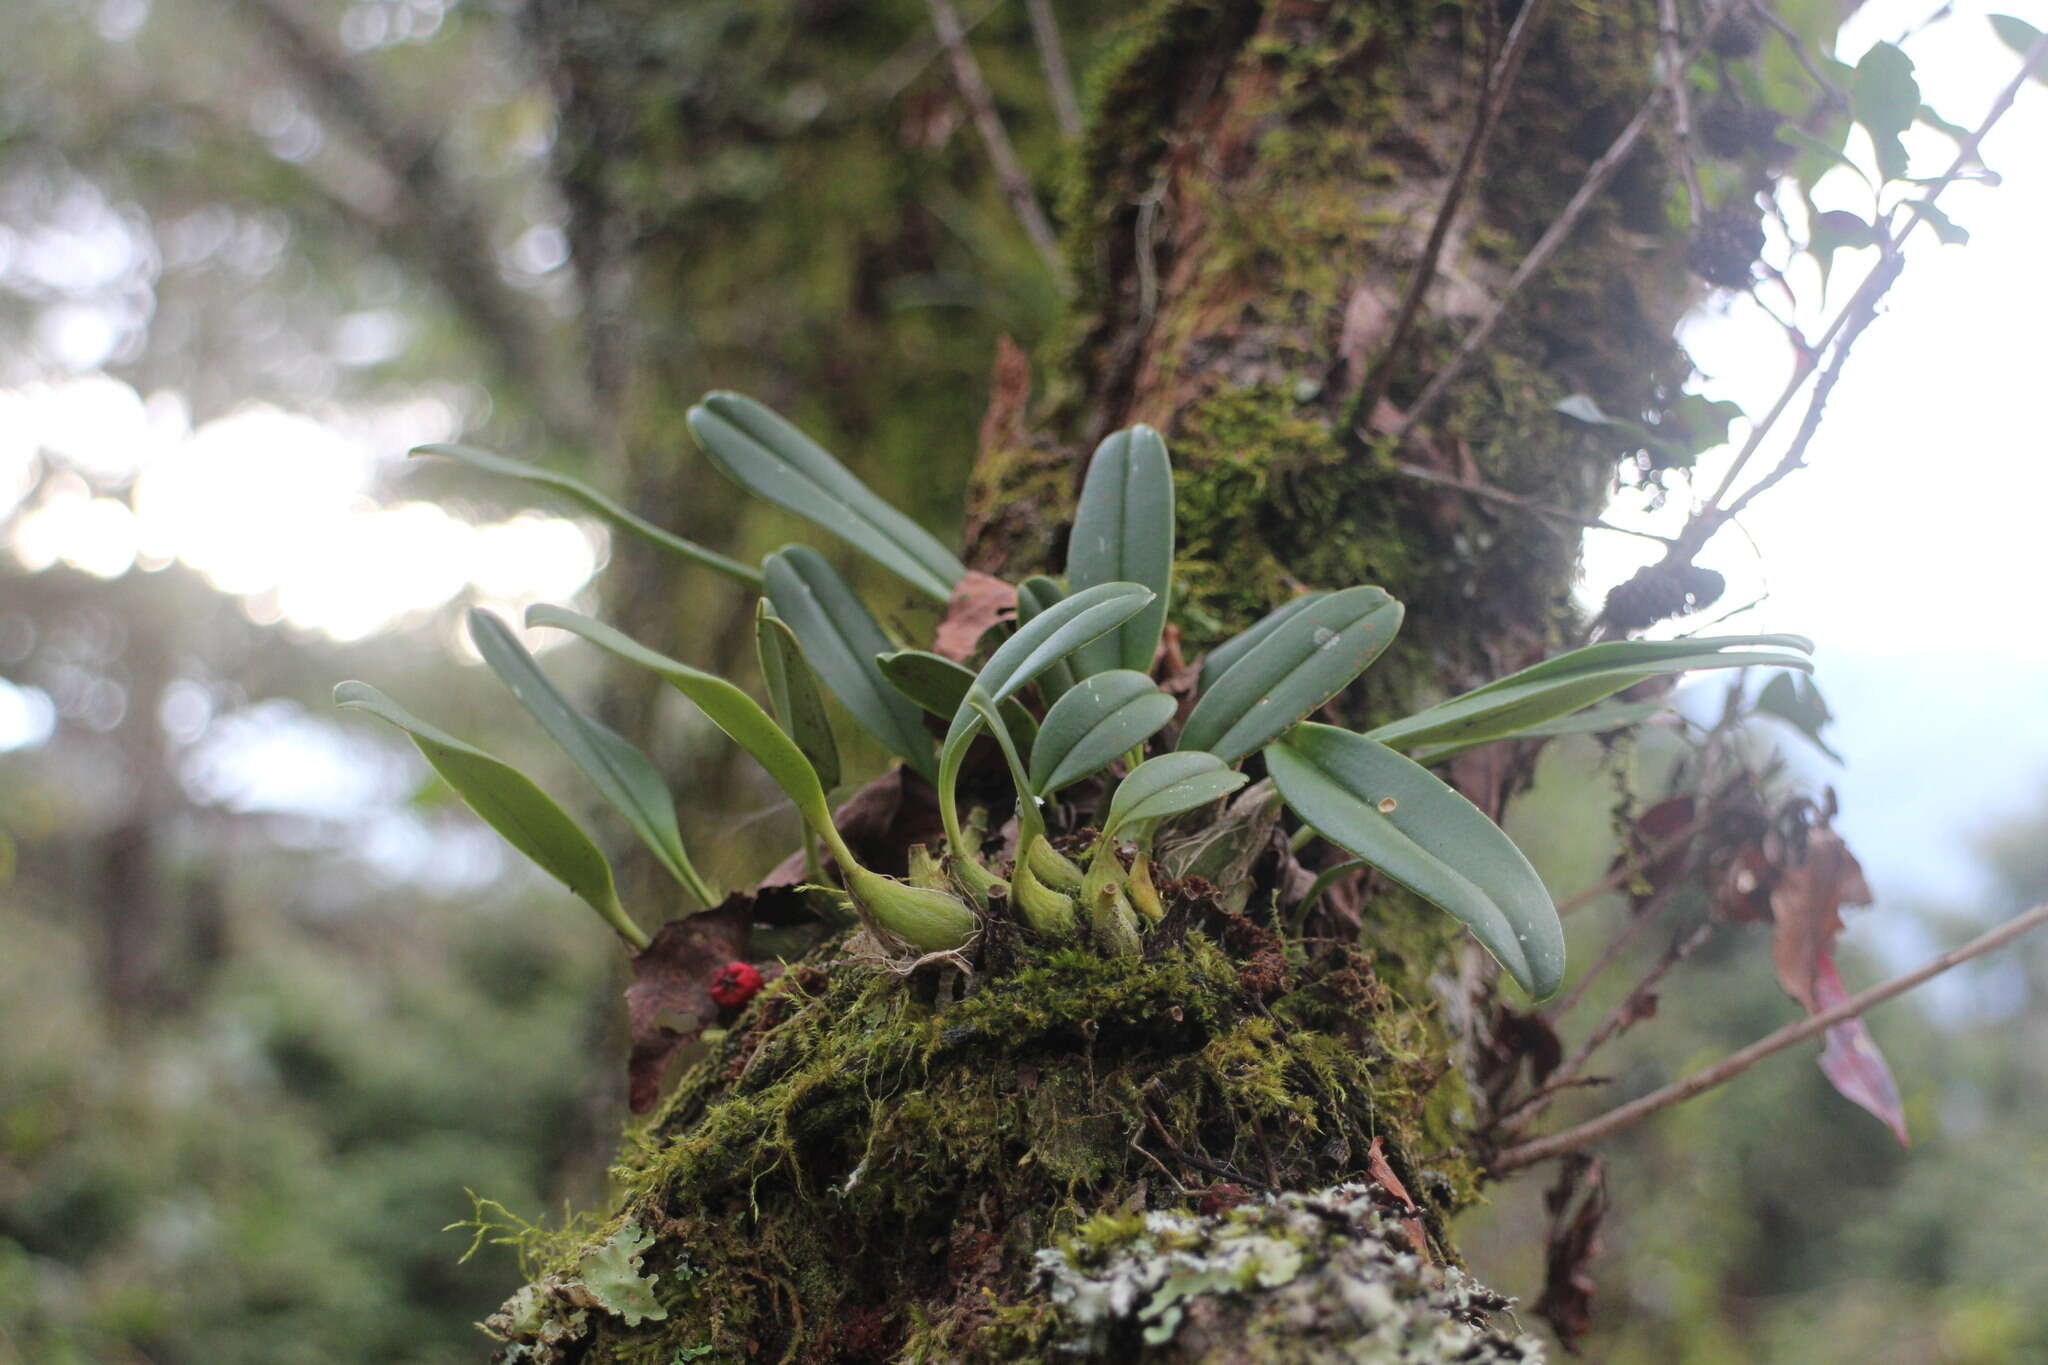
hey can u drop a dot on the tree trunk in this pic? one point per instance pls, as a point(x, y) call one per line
point(874, 1168)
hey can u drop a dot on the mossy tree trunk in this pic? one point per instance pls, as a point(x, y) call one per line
point(781, 197)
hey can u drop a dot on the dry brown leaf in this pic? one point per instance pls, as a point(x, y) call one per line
point(669, 1003)
point(1383, 1175)
point(979, 601)
point(1577, 1204)
point(1806, 907)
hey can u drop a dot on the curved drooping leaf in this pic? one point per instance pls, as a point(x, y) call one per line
point(1592, 721)
point(939, 685)
point(841, 641)
point(765, 454)
point(794, 697)
point(1219, 659)
point(1557, 687)
point(730, 709)
point(1298, 665)
point(623, 775)
point(1034, 595)
point(1170, 784)
point(508, 801)
point(583, 495)
point(1395, 814)
point(1104, 717)
point(1123, 532)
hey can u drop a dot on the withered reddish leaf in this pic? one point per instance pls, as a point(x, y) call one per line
point(669, 1003)
point(1851, 1061)
point(1654, 828)
point(1577, 1203)
point(1742, 883)
point(1530, 1036)
point(1383, 1175)
point(1806, 907)
point(979, 601)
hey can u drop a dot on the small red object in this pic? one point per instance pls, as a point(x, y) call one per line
point(735, 985)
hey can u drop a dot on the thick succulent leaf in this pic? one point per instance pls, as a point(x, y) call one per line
point(623, 775)
point(1301, 663)
point(585, 496)
point(1395, 814)
point(1105, 716)
point(1057, 632)
point(1503, 709)
point(1219, 659)
point(939, 685)
point(1034, 595)
point(509, 802)
point(1123, 532)
point(841, 641)
point(730, 709)
point(794, 696)
point(766, 455)
point(1591, 721)
point(1169, 785)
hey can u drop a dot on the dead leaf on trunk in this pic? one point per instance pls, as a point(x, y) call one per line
point(1383, 1175)
point(1577, 1204)
point(979, 601)
point(669, 1003)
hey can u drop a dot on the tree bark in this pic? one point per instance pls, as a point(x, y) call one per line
point(868, 1168)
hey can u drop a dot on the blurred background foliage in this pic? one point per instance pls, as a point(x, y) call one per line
point(270, 1004)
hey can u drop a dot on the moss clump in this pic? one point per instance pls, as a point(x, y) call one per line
point(884, 1158)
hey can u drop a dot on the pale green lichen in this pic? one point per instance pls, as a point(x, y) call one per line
point(548, 1317)
point(1308, 1278)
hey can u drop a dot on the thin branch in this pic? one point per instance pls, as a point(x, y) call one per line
point(981, 103)
point(1561, 228)
point(1496, 85)
point(1834, 93)
point(908, 62)
point(1639, 919)
point(1681, 105)
point(1489, 493)
point(1045, 32)
point(1733, 1065)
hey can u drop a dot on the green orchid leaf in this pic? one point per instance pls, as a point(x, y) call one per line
point(939, 685)
point(1170, 784)
point(1104, 717)
point(1592, 721)
point(589, 498)
point(1559, 686)
point(730, 709)
point(766, 455)
point(794, 696)
point(1395, 814)
point(1219, 659)
point(1794, 699)
point(508, 801)
point(623, 775)
point(1034, 595)
point(1123, 532)
point(841, 640)
point(1298, 665)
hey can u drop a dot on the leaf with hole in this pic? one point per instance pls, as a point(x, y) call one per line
point(587, 497)
point(1307, 659)
point(623, 775)
point(1561, 685)
point(730, 709)
point(766, 455)
point(794, 697)
point(1395, 814)
point(508, 801)
point(1123, 532)
point(1171, 784)
point(939, 685)
point(1104, 717)
point(841, 640)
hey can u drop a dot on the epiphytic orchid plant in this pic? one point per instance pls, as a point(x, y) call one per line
point(1067, 695)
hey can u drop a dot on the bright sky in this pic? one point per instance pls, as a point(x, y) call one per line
point(1912, 541)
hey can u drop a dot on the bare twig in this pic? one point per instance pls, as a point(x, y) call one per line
point(908, 62)
point(981, 103)
point(1834, 93)
point(1733, 1065)
point(1045, 32)
point(1489, 493)
point(1620, 874)
point(1639, 919)
point(1681, 105)
point(1495, 87)
point(1561, 228)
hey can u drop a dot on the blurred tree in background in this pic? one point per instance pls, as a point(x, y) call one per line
point(266, 1011)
